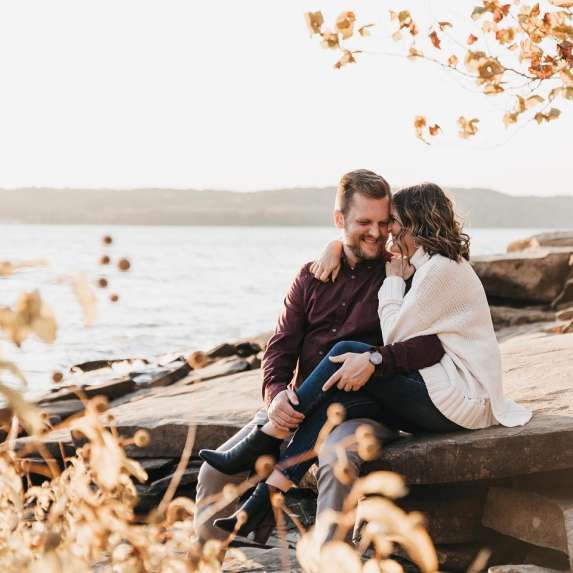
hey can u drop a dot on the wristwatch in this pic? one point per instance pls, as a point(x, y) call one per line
point(375, 358)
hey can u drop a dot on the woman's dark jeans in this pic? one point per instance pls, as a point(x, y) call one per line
point(401, 402)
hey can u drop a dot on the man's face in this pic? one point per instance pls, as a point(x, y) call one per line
point(365, 226)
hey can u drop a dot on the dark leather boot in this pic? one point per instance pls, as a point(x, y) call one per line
point(257, 507)
point(243, 455)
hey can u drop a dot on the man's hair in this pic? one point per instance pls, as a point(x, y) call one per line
point(360, 181)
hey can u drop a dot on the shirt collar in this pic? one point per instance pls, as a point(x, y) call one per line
point(419, 258)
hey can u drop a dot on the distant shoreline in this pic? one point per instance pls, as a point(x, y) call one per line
point(480, 208)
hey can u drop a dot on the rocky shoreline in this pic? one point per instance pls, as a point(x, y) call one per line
point(477, 489)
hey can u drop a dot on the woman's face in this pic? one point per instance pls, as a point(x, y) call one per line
point(399, 234)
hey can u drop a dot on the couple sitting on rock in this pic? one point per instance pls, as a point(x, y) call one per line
point(403, 340)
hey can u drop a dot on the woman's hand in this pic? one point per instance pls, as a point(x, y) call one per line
point(355, 371)
point(328, 264)
point(399, 267)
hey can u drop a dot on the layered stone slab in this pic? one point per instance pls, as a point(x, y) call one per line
point(543, 517)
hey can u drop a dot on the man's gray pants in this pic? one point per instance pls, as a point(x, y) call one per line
point(331, 492)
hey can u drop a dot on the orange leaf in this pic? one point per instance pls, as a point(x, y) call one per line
point(434, 129)
point(345, 24)
point(314, 21)
point(419, 125)
point(435, 40)
point(472, 39)
point(444, 25)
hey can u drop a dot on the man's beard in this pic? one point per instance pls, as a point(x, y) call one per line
point(359, 253)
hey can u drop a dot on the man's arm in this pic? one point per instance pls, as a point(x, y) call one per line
point(414, 354)
point(283, 349)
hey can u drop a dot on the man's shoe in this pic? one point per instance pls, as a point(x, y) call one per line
point(243, 455)
point(257, 508)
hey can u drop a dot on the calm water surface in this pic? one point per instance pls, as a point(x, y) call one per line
point(188, 288)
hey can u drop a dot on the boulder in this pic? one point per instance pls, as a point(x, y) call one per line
point(504, 316)
point(110, 389)
point(551, 239)
point(543, 517)
point(533, 276)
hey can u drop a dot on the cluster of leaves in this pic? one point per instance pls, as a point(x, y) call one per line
point(519, 50)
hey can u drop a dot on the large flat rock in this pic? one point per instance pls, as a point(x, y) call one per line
point(536, 275)
point(538, 372)
point(217, 407)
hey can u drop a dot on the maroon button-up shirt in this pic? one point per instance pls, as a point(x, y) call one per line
point(316, 315)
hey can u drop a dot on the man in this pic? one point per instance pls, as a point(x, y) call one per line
point(315, 316)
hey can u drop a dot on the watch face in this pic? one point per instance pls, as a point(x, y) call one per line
point(376, 358)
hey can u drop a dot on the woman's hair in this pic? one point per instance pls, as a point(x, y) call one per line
point(428, 214)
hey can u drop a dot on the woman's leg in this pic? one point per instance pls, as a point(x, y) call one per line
point(407, 405)
point(310, 392)
point(299, 456)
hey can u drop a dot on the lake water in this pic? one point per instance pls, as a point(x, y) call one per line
point(188, 288)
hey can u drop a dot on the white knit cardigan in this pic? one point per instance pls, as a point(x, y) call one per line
point(447, 299)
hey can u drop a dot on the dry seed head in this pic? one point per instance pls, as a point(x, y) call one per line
point(99, 404)
point(277, 500)
point(104, 260)
point(107, 240)
point(141, 438)
point(369, 449)
point(343, 473)
point(336, 414)
point(57, 377)
point(113, 297)
point(364, 431)
point(102, 282)
point(241, 519)
point(123, 264)
point(229, 492)
point(264, 466)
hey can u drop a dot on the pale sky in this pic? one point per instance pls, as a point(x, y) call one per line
point(236, 95)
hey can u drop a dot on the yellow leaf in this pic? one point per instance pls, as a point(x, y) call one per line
point(404, 18)
point(397, 36)
point(419, 125)
point(414, 53)
point(86, 297)
point(509, 119)
point(329, 40)
point(347, 58)
point(468, 127)
point(562, 3)
point(345, 24)
point(314, 21)
point(532, 101)
point(28, 415)
point(363, 30)
point(453, 61)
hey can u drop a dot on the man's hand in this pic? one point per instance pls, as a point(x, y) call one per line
point(355, 371)
point(282, 414)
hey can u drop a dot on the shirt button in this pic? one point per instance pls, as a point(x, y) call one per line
point(343, 304)
point(334, 330)
point(352, 277)
point(321, 352)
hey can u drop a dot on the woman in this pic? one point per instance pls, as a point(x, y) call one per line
point(463, 391)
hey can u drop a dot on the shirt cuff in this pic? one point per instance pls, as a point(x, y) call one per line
point(271, 390)
point(393, 288)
